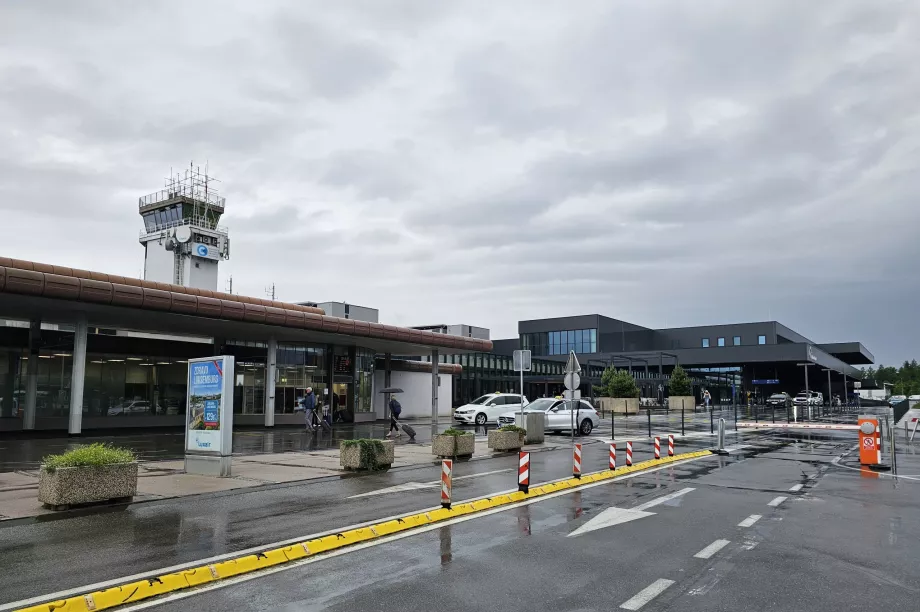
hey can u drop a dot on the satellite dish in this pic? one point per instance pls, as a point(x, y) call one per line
point(183, 234)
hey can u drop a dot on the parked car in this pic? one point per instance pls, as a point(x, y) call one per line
point(488, 408)
point(780, 400)
point(559, 415)
point(810, 398)
point(896, 399)
point(133, 407)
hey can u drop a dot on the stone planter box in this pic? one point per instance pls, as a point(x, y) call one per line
point(71, 486)
point(535, 424)
point(505, 441)
point(689, 402)
point(443, 446)
point(350, 456)
point(626, 405)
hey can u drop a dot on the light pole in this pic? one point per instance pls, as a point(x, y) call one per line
point(807, 392)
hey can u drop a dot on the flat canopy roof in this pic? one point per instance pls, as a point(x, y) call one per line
point(30, 290)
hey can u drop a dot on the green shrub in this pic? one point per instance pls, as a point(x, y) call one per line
point(369, 451)
point(619, 383)
point(520, 430)
point(456, 432)
point(680, 383)
point(89, 455)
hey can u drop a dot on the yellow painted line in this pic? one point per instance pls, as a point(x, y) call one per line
point(177, 581)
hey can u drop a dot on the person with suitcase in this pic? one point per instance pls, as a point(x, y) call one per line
point(309, 404)
point(395, 410)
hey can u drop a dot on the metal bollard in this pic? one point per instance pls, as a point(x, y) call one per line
point(721, 440)
point(682, 431)
point(649, 412)
point(523, 471)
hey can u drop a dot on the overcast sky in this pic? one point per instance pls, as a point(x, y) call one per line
point(667, 163)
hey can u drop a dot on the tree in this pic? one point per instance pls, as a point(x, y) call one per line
point(680, 383)
point(619, 383)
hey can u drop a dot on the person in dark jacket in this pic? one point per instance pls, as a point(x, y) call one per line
point(395, 410)
point(309, 404)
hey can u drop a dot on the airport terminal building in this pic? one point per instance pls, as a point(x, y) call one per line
point(757, 358)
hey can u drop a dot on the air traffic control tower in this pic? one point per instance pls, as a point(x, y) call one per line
point(182, 240)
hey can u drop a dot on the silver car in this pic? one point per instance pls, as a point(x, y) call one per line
point(559, 415)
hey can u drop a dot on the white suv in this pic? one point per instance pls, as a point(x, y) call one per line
point(486, 409)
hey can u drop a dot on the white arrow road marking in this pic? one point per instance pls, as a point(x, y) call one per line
point(711, 549)
point(617, 516)
point(609, 518)
point(663, 499)
point(647, 594)
point(414, 486)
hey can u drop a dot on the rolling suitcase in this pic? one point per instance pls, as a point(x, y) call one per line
point(409, 431)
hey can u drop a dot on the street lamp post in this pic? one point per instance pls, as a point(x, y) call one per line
point(806, 365)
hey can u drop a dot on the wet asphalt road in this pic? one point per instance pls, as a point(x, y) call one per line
point(148, 536)
point(835, 541)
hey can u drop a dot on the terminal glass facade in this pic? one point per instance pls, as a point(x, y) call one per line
point(561, 342)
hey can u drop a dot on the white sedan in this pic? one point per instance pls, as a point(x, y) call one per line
point(487, 408)
point(559, 415)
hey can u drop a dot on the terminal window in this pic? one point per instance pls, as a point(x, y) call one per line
point(761, 339)
point(705, 342)
point(721, 342)
point(736, 341)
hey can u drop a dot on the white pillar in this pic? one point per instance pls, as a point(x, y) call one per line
point(270, 373)
point(28, 414)
point(434, 392)
point(77, 377)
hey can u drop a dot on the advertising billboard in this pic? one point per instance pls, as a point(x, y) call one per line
point(209, 418)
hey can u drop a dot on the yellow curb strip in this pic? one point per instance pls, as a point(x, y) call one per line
point(180, 580)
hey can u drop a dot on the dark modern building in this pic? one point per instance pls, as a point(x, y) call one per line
point(756, 358)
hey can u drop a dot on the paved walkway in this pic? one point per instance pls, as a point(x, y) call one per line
point(167, 478)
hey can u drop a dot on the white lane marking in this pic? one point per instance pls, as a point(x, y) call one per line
point(647, 594)
point(384, 540)
point(797, 487)
point(662, 499)
point(711, 549)
point(777, 501)
point(750, 520)
point(414, 486)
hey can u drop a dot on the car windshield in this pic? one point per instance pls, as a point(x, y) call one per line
point(480, 400)
point(543, 404)
point(803, 395)
point(777, 396)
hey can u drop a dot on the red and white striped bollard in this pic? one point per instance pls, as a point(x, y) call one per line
point(613, 456)
point(447, 469)
point(657, 447)
point(576, 462)
point(628, 454)
point(670, 445)
point(523, 472)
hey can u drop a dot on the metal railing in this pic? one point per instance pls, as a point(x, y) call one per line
point(183, 191)
point(199, 221)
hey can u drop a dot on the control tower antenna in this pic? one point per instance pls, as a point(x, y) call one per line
point(182, 238)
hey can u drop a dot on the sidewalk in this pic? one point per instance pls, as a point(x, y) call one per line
point(167, 479)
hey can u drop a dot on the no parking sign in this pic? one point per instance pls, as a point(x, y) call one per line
point(869, 443)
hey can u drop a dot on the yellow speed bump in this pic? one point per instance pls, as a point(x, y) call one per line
point(177, 581)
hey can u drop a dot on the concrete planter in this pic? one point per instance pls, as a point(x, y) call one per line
point(535, 424)
point(504, 441)
point(71, 486)
point(626, 405)
point(350, 456)
point(689, 402)
point(444, 446)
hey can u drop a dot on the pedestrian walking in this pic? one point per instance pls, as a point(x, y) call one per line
point(395, 410)
point(309, 404)
point(707, 398)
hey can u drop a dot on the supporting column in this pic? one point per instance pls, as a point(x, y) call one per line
point(78, 373)
point(270, 374)
point(28, 415)
point(434, 392)
point(387, 381)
